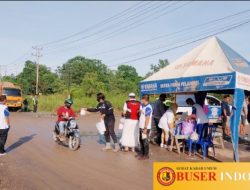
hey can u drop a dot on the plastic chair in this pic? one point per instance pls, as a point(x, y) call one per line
point(219, 136)
point(189, 141)
point(176, 136)
point(206, 135)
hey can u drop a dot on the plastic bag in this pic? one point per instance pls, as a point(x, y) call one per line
point(82, 112)
point(121, 124)
point(187, 128)
point(101, 127)
point(194, 136)
point(246, 122)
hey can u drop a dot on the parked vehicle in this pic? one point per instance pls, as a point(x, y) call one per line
point(13, 94)
point(212, 106)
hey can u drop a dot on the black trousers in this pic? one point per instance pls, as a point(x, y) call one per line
point(159, 130)
point(110, 130)
point(25, 108)
point(144, 143)
point(35, 108)
point(3, 138)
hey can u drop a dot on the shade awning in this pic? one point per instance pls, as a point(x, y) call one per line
point(213, 65)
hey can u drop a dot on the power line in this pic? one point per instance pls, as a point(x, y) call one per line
point(17, 59)
point(136, 24)
point(119, 31)
point(101, 23)
point(207, 30)
point(182, 45)
point(169, 34)
point(137, 15)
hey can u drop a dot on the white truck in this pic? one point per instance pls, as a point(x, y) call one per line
point(213, 106)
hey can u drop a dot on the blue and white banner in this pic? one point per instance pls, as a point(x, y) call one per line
point(189, 84)
point(214, 112)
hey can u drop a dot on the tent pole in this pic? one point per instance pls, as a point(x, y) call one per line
point(235, 120)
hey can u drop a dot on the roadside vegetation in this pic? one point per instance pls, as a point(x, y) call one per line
point(82, 78)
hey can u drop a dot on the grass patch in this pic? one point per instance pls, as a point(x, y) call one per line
point(50, 103)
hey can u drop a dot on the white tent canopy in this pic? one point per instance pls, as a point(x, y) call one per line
point(211, 58)
point(211, 66)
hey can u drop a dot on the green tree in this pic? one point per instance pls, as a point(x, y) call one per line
point(91, 84)
point(75, 69)
point(126, 79)
point(48, 81)
point(155, 68)
point(127, 73)
point(9, 78)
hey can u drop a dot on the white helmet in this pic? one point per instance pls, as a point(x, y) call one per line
point(132, 95)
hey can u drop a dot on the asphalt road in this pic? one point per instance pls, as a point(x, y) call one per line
point(35, 161)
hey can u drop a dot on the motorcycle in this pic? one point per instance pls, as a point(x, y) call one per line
point(71, 134)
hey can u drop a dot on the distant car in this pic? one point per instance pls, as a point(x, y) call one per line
point(212, 106)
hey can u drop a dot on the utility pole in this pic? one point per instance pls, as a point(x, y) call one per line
point(0, 73)
point(37, 54)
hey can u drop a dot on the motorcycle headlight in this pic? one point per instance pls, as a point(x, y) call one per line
point(72, 124)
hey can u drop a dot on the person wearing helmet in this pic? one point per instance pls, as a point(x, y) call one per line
point(107, 113)
point(64, 113)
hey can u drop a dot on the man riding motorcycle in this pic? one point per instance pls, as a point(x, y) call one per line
point(64, 113)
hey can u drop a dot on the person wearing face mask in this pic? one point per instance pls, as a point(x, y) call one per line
point(107, 114)
point(64, 113)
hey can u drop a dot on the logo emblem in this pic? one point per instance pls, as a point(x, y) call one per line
point(166, 176)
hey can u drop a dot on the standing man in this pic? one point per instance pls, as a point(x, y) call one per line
point(131, 111)
point(248, 108)
point(107, 113)
point(145, 127)
point(4, 123)
point(198, 113)
point(35, 102)
point(243, 116)
point(158, 111)
point(25, 105)
point(226, 113)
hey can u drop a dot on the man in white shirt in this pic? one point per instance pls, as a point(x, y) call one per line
point(4, 123)
point(198, 112)
point(145, 127)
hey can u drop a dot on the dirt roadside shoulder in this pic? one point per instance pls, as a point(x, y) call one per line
point(6, 180)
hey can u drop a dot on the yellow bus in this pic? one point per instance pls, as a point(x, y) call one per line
point(13, 94)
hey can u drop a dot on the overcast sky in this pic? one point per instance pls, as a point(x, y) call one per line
point(25, 24)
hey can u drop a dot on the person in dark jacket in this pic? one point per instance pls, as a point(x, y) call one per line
point(248, 108)
point(107, 113)
point(158, 110)
point(226, 114)
point(25, 105)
